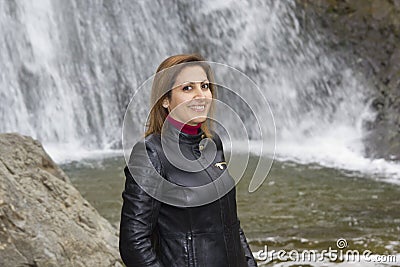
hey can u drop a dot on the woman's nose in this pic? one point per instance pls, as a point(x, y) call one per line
point(199, 91)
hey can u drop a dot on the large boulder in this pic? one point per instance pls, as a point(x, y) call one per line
point(44, 221)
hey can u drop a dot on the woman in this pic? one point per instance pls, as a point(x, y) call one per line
point(182, 228)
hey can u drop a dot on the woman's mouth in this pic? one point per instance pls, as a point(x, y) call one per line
point(198, 108)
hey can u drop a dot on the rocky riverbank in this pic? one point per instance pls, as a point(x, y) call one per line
point(44, 220)
point(367, 32)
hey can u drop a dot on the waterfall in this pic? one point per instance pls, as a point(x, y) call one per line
point(69, 69)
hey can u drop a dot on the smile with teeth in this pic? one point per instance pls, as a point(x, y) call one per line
point(198, 108)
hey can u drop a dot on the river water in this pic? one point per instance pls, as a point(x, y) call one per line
point(298, 207)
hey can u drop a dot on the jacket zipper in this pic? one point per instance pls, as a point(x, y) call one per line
point(189, 241)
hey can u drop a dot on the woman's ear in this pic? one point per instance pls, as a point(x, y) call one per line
point(165, 103)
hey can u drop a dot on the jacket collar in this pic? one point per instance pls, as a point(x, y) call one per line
point(173, 132)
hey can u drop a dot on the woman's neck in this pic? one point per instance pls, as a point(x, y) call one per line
point(185, 128)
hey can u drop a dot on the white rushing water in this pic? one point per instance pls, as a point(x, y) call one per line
point(69, 69)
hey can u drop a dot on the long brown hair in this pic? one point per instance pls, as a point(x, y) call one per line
point(162, 85)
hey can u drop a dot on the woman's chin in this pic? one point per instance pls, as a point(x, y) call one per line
point(198, 120)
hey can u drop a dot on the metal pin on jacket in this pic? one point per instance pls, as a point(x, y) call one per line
point(219, 164)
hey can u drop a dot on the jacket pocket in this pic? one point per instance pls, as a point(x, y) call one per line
point(173, 250)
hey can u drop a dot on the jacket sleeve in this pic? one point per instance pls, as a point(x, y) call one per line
point(251, 262)
point(139, 214)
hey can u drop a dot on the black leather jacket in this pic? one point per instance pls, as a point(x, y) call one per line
point(155, 233)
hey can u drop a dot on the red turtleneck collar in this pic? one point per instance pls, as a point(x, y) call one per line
point(185, 128)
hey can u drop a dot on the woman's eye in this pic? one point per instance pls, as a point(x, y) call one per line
point(205, 86)
point(186, 88)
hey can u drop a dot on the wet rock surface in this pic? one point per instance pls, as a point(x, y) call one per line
point(44, 221)
point(367, 32)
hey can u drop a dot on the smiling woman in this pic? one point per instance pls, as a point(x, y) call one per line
point(183, 84)
point(194, 228)
point(190, 97)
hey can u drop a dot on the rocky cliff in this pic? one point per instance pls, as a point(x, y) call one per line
point(367, 32)
point(44, 221)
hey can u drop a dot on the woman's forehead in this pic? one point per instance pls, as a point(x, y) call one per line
point(190, 74)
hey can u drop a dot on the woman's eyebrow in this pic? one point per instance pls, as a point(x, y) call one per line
point(192, 82)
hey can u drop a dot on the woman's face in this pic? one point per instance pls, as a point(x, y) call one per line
point(190, 97)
